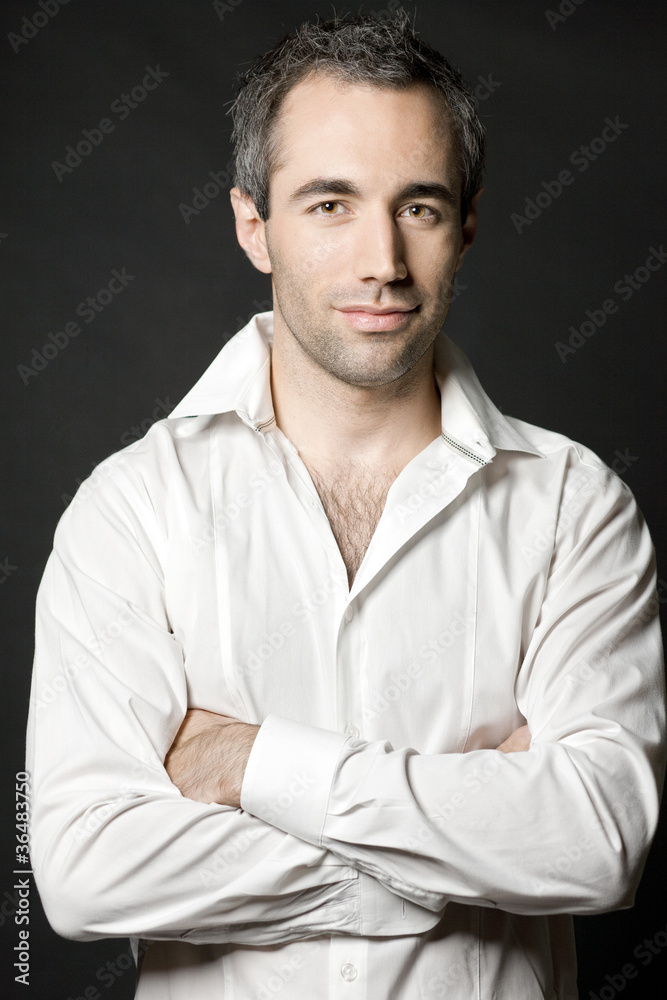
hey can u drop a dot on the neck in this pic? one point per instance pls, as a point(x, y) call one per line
point(331, 422)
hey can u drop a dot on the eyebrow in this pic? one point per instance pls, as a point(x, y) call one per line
point(342, 186)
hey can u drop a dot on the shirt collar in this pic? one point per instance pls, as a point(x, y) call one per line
point(468, 415)
point(239, 380)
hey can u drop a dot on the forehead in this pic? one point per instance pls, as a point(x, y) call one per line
point(331, 126)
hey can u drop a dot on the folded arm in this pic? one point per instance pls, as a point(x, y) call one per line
point(564, 827)
point(209, 755)
point(116, 848)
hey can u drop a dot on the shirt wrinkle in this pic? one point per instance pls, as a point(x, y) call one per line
point(384, 847)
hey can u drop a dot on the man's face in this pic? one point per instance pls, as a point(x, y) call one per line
point(365, 213)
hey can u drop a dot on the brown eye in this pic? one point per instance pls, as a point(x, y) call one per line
point(423, 213)
point(329, 207)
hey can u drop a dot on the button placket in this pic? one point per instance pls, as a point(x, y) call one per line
point(351, 649)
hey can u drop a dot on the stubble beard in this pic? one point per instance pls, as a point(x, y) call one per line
point(326, 346)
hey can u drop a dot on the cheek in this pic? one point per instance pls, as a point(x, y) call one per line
point(433, 252)
point(321, 254)
point(432, 267)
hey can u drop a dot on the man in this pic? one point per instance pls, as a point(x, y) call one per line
point(281, 644)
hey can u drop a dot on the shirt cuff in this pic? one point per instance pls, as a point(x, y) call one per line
point(287, 783)
point(289, 775)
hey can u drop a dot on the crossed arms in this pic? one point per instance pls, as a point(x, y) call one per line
point(208, 758)
point(124, 846)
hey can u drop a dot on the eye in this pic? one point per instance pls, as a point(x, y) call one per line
point(420, 212)
point(327, 208)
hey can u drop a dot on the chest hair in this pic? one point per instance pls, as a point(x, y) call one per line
point(353, 498)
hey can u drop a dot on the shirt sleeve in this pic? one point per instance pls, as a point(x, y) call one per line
point(563, 827)
point(116, 849)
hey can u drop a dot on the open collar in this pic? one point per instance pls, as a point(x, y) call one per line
point(239, 379)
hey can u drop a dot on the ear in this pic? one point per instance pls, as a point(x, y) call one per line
point(468, 229)
point(250, 230)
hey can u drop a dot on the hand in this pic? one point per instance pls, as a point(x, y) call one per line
point(517, 742)
point(208, 757)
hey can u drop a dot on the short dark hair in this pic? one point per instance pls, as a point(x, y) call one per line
point(384, 52)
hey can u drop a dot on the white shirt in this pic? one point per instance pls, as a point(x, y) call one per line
point(384, 849)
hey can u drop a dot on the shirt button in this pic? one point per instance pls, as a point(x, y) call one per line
point(349, 614)
point(433, 464)
point(348, 972)
point(351, 730)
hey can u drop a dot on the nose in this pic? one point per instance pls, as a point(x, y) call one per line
point(378, 248)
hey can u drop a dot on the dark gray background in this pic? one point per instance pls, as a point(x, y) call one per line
point(553, 86)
